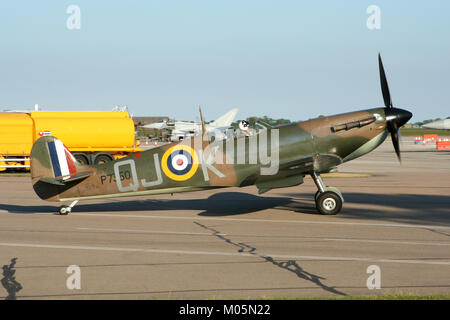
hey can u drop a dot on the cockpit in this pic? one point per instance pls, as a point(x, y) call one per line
point(245, 129)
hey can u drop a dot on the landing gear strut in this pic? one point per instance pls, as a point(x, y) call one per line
point(64, 210)
point(328, 199)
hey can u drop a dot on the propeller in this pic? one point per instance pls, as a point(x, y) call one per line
point(395, 117)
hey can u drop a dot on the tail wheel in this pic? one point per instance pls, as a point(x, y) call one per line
point(64, 210)
point(329, 203)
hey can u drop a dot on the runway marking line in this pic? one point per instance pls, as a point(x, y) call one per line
point(235, 254)
point(269, 236)
point(153, 231)
point(387, 241)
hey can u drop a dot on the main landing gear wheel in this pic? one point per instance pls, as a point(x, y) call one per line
point(328, 200)
point(329, 203)
point(333, 189)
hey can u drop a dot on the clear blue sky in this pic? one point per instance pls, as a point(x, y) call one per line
point(284, 59)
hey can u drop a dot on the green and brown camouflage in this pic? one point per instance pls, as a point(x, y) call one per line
point(273, 157)
point(303, 147)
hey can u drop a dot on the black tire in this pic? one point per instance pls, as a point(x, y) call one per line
point(64, 210)
point(102, 158)
point(332, 189)
point(335, 190)
point(329, 203)
point(316, 195)
point(82, 158)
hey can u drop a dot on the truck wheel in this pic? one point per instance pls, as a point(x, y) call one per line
point(102, 158)
point(81, 158)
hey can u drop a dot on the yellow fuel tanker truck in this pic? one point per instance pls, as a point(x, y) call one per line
point(93, 137)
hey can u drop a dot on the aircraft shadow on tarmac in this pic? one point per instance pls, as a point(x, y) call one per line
point(404, 208)
point(221, 204)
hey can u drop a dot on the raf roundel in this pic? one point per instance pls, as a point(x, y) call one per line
point(180, 162)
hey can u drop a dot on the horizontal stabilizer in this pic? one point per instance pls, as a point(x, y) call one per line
point(60, 181)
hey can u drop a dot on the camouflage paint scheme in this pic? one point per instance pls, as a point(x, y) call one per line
point(304, 147)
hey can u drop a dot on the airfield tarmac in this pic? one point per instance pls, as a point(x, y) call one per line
point(233, 243)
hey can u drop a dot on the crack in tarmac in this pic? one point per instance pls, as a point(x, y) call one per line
point(290, 265)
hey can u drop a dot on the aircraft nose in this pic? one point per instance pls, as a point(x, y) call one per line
point(400, 116)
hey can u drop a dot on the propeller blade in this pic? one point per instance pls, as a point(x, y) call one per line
point(384, 85)
point(395, 118)
point(395, 140)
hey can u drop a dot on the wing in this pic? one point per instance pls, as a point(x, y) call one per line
point(291, 172)
point(320, 163)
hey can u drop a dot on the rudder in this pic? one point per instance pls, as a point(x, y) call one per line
point(52, 162)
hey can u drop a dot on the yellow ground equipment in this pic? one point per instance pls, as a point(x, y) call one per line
point(93, 137)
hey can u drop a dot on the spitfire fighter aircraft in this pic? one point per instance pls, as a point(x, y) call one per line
point(273, 157)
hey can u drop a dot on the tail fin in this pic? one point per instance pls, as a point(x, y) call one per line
point(52, 162)
point(225, 120)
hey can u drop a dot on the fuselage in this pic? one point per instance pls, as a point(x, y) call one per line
point(275, 155)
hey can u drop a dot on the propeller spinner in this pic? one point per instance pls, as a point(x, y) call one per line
point(395, 117)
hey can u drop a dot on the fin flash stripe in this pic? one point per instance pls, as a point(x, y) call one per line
point(62, 160)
